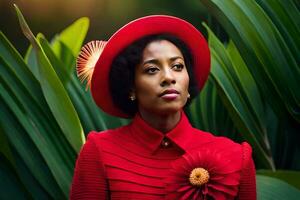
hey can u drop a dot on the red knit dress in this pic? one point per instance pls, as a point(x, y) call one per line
point(138, 162)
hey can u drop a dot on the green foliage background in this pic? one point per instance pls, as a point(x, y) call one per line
point(252, 94)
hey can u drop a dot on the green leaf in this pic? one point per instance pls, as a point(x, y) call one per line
point(291, 177)
point(17, 124)
point(13, 58)
point(66, 46)
point(284, 14)
point(65, 55)
point(208, 113)
point(58, 66)
point(19, 84)
point(10, 186)
point(54, 92)
point(264, 51)
point(247, 86)
point(68, 43)
point(88, 111)
point(30, 60)
point(275, 189)
point(240, 96)
point(4, 147)
point(74, 35)
point(46, 134)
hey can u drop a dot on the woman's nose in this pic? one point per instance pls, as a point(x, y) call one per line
point(167, 78)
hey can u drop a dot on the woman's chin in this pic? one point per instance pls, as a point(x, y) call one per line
point(163, 108)
point(169, 110)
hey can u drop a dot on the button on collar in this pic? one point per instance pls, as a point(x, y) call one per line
point(165, 143)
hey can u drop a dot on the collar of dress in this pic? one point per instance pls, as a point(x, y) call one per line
point(152, 138)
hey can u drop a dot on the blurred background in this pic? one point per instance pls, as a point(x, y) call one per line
point(106, 16)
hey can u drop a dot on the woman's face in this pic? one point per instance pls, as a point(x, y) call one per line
point(161, 79)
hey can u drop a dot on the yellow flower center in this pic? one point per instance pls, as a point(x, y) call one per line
point(199, 176)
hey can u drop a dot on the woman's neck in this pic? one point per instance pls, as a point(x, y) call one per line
point(162, 122)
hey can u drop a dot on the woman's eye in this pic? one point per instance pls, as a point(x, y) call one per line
point(178, 67)
point(151, 70)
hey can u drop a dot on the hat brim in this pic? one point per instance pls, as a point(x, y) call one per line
point(149, 25)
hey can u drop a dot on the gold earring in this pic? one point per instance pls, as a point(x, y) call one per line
point(132, 97)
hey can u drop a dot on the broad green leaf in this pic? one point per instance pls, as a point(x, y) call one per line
point(13, 58)
point(275, 189)
point(51, 135)
point(58, 66)
point(56, 164)
point(85, 107)
point(88, 112)
point(284, 15)
point(67, 80)
point(264, 50)
point(26, 88)
point(291, 177)
point(54, 93)
point(74, 35)
point(10, 186)
point(5, 149)
point(247, 86)
point(30, 60)
point(208, 113)
point(65, 55)
point(67, 44)
point(237, 90)
point(11, 116)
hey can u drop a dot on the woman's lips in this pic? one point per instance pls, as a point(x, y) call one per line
point(169, 94)
point(170, 97)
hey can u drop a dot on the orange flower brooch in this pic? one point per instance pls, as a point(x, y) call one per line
point(204, 174)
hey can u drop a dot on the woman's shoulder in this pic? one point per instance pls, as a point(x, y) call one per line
point(107, 134)
point(208, 140)
point(205, 138)
point(109, 137)
point(236, 155)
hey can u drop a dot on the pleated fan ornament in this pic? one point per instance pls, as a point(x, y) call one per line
point(87, 59)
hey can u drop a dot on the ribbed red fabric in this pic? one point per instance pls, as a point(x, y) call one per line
point(247, 189)
point(131, 163)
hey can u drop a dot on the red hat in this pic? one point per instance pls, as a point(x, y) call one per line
point(95, 59)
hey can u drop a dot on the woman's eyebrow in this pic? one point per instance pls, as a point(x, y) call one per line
point(176, 57)
point(157, 61)
point(151, 61)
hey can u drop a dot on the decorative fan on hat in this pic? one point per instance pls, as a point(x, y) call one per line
point(87, 60)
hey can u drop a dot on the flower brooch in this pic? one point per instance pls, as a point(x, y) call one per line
point(204, 174)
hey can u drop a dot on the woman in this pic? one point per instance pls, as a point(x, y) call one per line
point(149, 70)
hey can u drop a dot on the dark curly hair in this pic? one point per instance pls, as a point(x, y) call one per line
point(122, 73)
